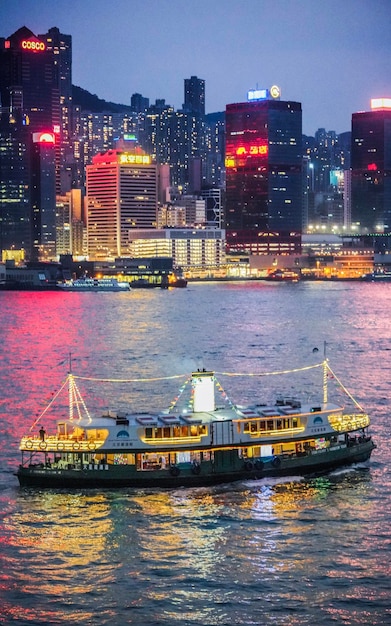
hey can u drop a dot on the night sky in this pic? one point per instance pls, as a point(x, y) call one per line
point(333, 56)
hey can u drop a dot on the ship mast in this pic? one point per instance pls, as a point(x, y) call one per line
point(325, 370)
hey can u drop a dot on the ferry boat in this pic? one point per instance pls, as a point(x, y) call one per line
point(206, 441)
point(378, 276)
point(94, 284)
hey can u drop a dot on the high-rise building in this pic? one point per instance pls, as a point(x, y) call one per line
point(139, 103)
point(69, 224)
point(213, 197)
point(174, 138)
point(264, 184)
point(96, 132)
point(43, 197)
point(371, 168)
point(27, 66)
point(30, 103)
point(15, 232)
point(60, 46)
point(194, 96)
point(215, 150)
point(122, 190)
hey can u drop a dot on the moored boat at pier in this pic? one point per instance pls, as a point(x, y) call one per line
point(206, 441)
point(378, 276)
point(94, 284)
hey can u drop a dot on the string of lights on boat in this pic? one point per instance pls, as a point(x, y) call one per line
point(79, 402)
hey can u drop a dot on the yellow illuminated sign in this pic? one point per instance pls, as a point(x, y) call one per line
point(36, 46)
point(139, 159)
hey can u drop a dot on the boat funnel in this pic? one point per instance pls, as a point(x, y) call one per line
point(203, 391)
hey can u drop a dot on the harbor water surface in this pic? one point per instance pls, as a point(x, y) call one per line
point(268, 552)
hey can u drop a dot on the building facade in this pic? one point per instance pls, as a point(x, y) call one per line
point(264, 188)
point(43, 196)
point(60, 46)
point(371, 168)
point(199, 253)
point(194, 96)
point(29, 80)
point(15, 233)
point(30, 104)
point(122, 191)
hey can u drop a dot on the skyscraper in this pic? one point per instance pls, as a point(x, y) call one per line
point(15, 203)
point(121, 196)
point(43, 196)
point(27, 66)
point(30, 104)
point(60, 46)
point(264, 188)
point(139, 103)
point(194, 96)
point(371, 168)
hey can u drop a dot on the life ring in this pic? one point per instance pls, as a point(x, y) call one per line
point(91, 446)
point(196, 468)
point(60, 446)
point(29, 444)
point(248, 466)
point(174, 470)
point(276, 462)
point(76, 446)
point(42, 445)
point(258, 465)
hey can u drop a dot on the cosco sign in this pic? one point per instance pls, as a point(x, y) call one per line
point(37, 46)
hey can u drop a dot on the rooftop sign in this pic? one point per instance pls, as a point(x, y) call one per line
point(33, 44)
point(273, 93)
point(139, 159)
point(381, 103)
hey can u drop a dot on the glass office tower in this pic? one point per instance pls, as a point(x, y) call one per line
point(371, 168)
point(43, 196)
point(26, 64)
point(264, 191)
point(30, 103)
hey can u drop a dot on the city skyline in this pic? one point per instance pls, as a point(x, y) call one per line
point(333, 60)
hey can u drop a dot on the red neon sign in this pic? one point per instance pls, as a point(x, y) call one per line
point(35, 46)
point(259, 150)
point(372, 167)
point(44, 138)
point(237, 156)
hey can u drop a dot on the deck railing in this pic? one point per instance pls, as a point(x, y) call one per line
point(348, 422)
point(55, 444)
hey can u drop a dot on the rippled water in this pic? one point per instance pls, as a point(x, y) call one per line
point(265, 552)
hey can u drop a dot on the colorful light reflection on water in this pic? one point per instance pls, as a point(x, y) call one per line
point(264, 552)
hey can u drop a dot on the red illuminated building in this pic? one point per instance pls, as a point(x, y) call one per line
point(264, 195)
point(371, 168)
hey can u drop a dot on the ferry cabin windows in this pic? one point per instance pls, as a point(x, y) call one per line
point(148, 461)
point(259, 426)
point(176, 432)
